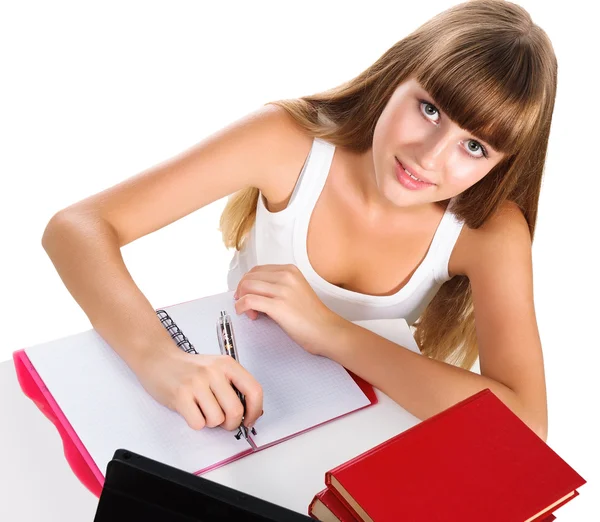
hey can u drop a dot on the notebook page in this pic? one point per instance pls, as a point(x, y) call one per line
point(108, 408)
point(300, 390)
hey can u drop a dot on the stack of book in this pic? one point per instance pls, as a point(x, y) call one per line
point(474, 461)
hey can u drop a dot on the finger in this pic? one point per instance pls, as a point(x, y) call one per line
point(282, 275)
point(255, 302)
point(272, 268)
point(259, 287)
point(257, 283)
point(229, 403)
point(190, 411)
point(270, 273)
point(251, 278)
point(252, 390)
point(213, 414)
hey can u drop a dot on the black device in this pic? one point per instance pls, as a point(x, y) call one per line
point(139, 488)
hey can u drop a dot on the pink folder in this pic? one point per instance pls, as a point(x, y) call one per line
point(76, 453)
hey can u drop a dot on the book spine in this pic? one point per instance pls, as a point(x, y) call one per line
point(311, 507)
point(340, 497)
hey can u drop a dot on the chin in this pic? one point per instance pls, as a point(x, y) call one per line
point(396, 195)
point(400, 200)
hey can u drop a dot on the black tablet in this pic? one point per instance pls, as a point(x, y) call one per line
point(139, 488)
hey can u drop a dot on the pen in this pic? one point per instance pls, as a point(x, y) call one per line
point(228, 346)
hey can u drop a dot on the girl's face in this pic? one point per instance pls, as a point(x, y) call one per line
point(413, 133)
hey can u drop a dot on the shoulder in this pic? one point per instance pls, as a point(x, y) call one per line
point(505, 235)
point(289, 149)
point(283, 127)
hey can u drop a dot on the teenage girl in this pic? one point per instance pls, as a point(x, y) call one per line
point(409, 191)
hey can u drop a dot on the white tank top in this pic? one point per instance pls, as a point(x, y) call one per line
point(280, 238)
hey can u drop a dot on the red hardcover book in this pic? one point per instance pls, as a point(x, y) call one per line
point(474, 461)
point(326, 507)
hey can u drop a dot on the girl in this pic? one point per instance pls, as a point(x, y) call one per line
point(410, 191)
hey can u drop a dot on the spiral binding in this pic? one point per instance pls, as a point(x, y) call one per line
point(176, 334)
point(183, 342)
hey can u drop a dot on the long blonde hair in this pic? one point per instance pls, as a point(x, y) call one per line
point(493, 72)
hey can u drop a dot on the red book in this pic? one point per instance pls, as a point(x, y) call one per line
point(474, 461)
point(326, 507)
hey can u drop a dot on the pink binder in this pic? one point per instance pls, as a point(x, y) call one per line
point(77, 456)
point(75, 452)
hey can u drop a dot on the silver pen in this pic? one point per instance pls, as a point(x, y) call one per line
point(228, 346)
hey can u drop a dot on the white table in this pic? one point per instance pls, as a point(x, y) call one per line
point(36, 482)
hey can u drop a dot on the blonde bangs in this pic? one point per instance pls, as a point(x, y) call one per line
point(494, 98)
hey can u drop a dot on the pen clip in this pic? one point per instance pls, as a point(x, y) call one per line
point(242, 429)
point(243, 432)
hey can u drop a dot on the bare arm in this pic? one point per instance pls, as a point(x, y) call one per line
point(509, 345)
point(85, 251)
point(84, 240)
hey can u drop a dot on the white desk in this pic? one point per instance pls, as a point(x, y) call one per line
point(42, 486)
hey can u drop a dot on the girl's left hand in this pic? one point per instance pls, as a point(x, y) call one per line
point(282, 292)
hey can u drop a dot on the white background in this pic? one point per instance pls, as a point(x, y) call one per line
point(92, 94)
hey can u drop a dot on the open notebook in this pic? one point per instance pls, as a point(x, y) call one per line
point(98, 405)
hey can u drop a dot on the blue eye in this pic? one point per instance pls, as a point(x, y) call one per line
point(428, 106)
point(428, 109)
point(480, 146)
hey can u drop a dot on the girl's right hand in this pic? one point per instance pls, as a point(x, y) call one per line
point(199, 387)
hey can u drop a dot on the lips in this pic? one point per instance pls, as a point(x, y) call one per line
point(414, 173)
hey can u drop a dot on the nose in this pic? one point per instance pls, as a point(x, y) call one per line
point(435, 149)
